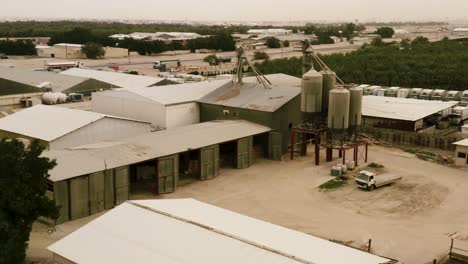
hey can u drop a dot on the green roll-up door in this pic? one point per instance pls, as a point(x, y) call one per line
point(109, 190)
point(79, 197)
point(122, 187)
point(274, 146)
point(209, 162)
point(244, 152)
point(96, 192)
point(61, 200)
point(168, 174)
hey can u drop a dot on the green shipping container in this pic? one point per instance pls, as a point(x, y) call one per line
point(274, 146)
point(96, 192)
point(79, 197)
point(109, 189)
point(61, 200)
point(209, 162)
point(244, 152)
point(122, 187)
point(168, 174)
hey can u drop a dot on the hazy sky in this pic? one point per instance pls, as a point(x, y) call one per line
point(243, 10)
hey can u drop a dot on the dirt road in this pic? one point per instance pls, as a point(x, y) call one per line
point(410, 220)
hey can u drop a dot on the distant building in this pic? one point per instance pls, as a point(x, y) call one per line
point(270, 31)
point(460, 31)
point(163, 36)
point(59, 128)
point(73, 51)
point(461, 153)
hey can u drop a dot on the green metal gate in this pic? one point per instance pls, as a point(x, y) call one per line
point(109, 189)
point(168, 174)
point(122, 187)
point(209, 162)
point(274, 146)
point(61, 200)
point(79, 197)
point(244, 152)
point(96, 192)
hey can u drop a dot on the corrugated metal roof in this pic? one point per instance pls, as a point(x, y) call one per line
point(48, 122)
point(252, 96)
point(188, 231)
point(401, 108)
point(277, 79)
point(463, 142)
point(117, 79)
point(170, 94)
point(108, 155)
point(58, 82)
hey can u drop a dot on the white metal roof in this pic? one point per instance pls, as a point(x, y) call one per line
point(463, 142)
point(58, 82)
point(48, 122)
point(278, 79)
point(116, 79)
point(69, 45)
point(171, 94)
point(252, 96)
point(401, 108)
point(188, 231)
point(108, 155)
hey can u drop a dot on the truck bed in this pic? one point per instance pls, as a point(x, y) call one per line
point(384, 179)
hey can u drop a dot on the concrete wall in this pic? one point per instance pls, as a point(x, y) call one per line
point(115, 52)
point(102, 130)
point(182, 115)
point(75, 53)
point(133, 108)
point(461, 156)
point(13, 101)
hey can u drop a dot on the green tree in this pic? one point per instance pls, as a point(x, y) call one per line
point(18, 47)
point(260, 55)
point(273, 43)
point(93, 50)
point(377, 42)
point(286, 44)
point(23, 186)
point(212, 59)
point(385, 32)
point(420, 40)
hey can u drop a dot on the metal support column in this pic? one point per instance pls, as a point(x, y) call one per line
point(293, 141)
point(304, 144)
point(317, 149)
point(344, 156)
point(367, 146)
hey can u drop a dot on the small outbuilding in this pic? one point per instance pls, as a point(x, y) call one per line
point(116, 79)
point(401, 113)
point(183, 231)
point(164, 106)
point(91, 178)
point(59, 128)
point(461, 153)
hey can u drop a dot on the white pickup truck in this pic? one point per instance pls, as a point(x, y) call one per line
point(369, 180)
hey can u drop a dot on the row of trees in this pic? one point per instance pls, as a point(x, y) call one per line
point(409, 64)
point(17, 47)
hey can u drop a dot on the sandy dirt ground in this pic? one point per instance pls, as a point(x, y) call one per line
point(412, 220)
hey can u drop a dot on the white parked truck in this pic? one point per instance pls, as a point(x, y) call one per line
point(369, 180)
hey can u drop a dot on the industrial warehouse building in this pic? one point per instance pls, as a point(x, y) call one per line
point(153, 162)
point(277, 107)
point(164, 106)
point(74, 51)
point(277, 79)
point(188, 231)
point(461, 153)
point(59, 128)
point(115, 79)
point(401, 113)
point(21, 81)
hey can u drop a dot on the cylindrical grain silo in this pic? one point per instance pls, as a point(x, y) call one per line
point(311, 95)
point(329, 81)
point(355, 106)
point(338, 109)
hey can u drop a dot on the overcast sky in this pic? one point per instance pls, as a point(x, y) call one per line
point(240, 10)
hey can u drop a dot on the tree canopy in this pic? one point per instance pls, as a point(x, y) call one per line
point(17, 47)
point(93, 50)
point(23, 186)
point(432, 65)
point(385, 32)
point(273, 43)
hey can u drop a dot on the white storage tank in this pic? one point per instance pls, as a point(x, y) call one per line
point(329, 82)
point(415, 93)
point(382, 92)
point(392, 91)
point(355, 106)
point(338, 109)
point(312, 89)
point(403, 93)
point(61, 98)
point(49, 98)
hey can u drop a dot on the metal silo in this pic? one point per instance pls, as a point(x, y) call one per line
point(338, 109)
point(329, 81)
point(311, 96)
point(355, 106)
